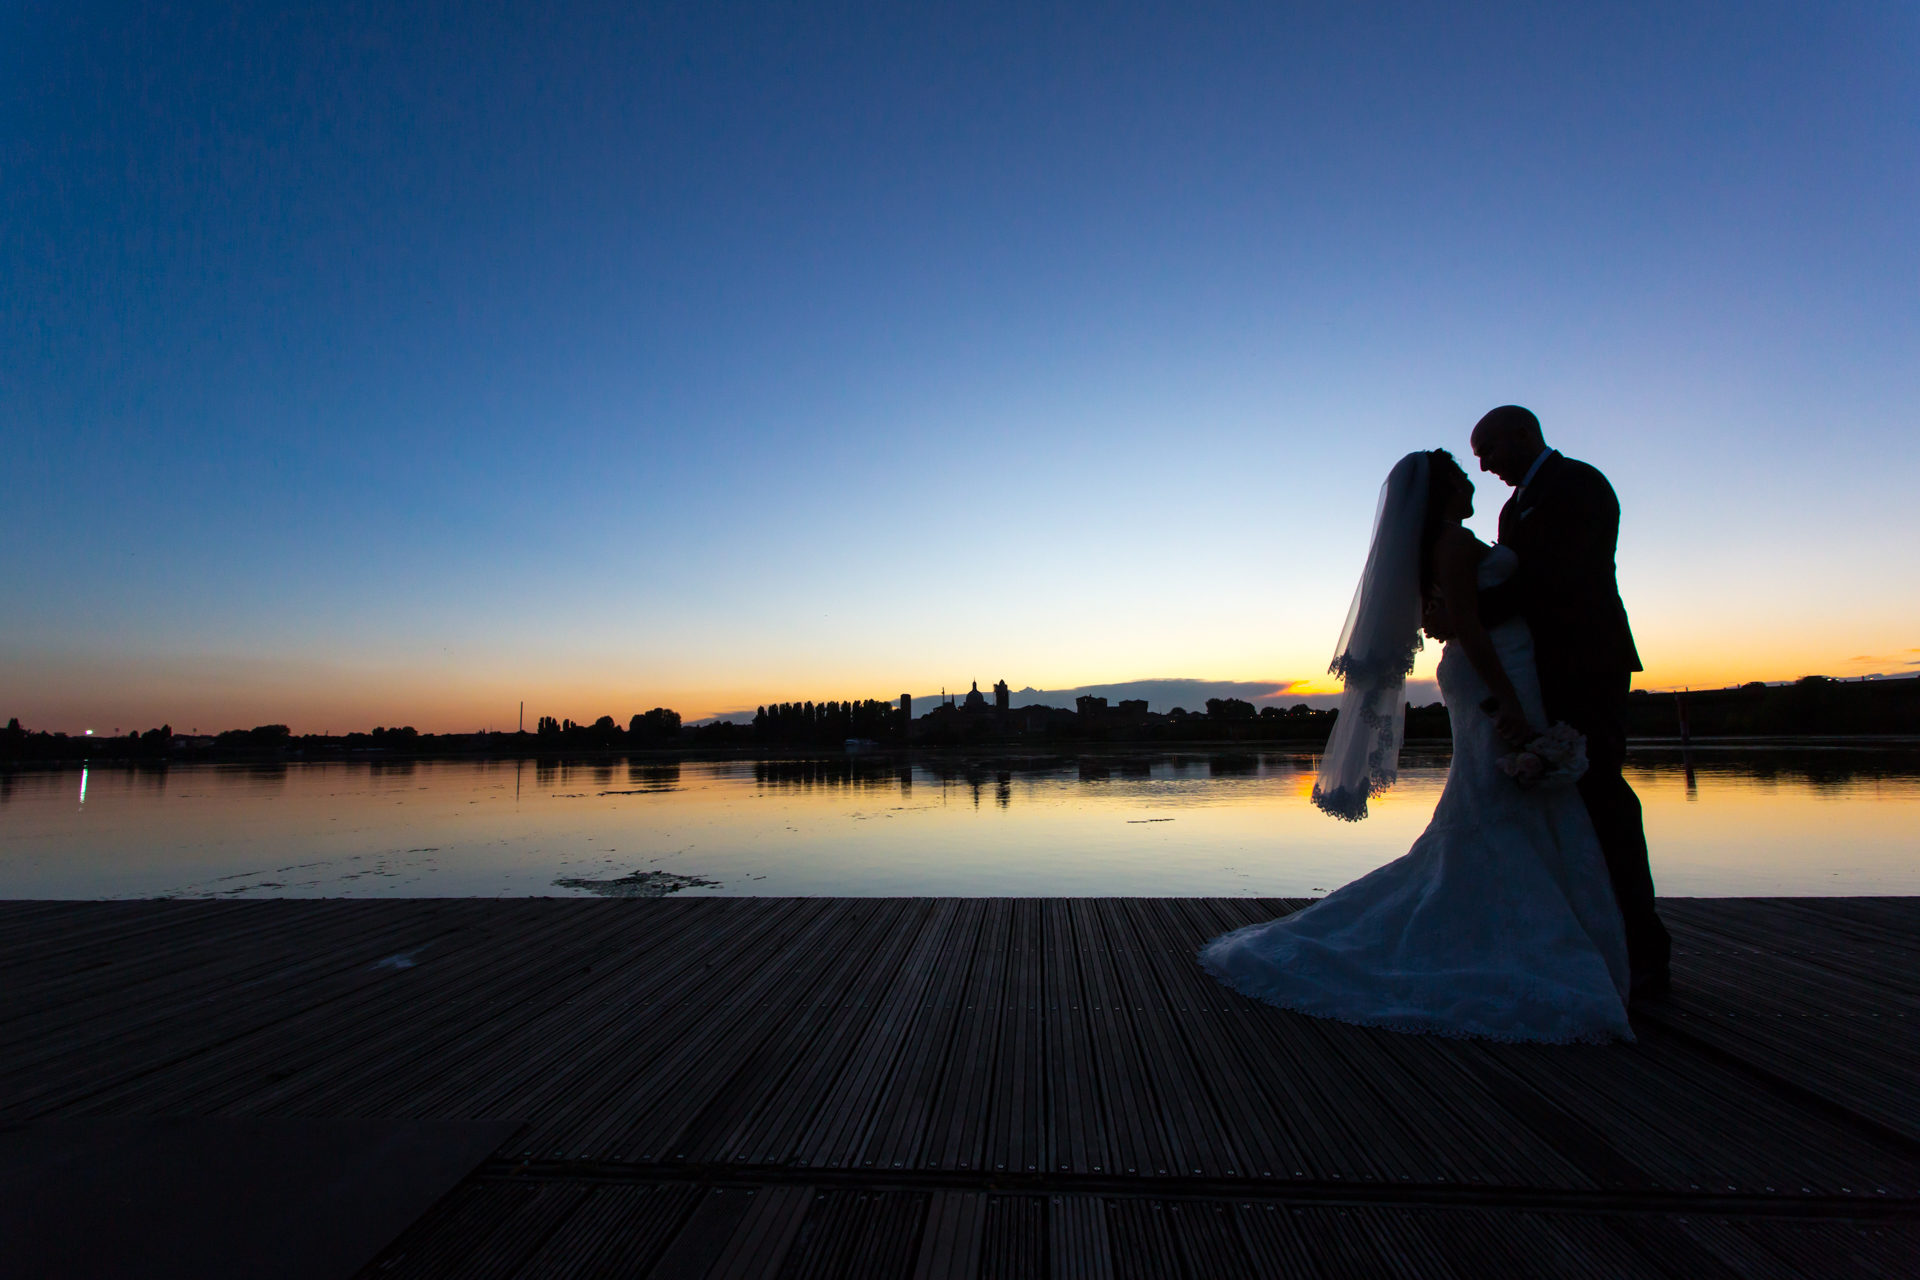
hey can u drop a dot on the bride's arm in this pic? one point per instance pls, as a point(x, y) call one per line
point(1456, 567)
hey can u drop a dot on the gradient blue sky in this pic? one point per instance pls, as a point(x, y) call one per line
point(394, 362)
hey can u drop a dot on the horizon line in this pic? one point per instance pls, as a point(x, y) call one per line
point(1278, 690)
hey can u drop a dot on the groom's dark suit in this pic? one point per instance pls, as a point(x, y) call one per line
point(1563, 525)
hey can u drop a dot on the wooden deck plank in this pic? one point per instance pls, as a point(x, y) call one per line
point(1078, 1138)
point(1142, 1145)
point(1840, 978)
point(648, 983)
point(1198, 1142)
point(858, 1233)
point(137, 981)
point(362, 1017)
point(1079, 1242)
point(761, 1114)
point(898, 1135)
point(615, 1230)
point(1260, 1116)
point(1350, 1131)
point(641, 1046)
point(550, 1009)
point(765, 1235)
point(104, 1040)
point(647, 1116)
point(384, 1017)
point(964, 1101)
point(1013, 1241)
point(1016, 1139)
point(836, 1135)
point(951, 1240)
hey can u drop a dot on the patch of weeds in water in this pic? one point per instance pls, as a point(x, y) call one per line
point(640, 884)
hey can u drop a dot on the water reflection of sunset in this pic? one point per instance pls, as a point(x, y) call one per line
point(1173, 824)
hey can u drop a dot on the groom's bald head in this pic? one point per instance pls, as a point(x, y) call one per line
point(1506, 441)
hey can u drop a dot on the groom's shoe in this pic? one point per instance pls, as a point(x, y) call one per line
point(1650, 986)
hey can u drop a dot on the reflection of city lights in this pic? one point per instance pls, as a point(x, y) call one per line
point(83, 783)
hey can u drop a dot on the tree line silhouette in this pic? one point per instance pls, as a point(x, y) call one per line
point(647, 728)
point(828, 723)
point(1813, 705)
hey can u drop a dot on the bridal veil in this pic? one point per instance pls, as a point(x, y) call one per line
point(1376, 650)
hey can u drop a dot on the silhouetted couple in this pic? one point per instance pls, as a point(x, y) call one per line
point(1525, 910)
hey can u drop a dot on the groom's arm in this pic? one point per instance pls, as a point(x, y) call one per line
point(1509, 599)
point(1569, 575)
point(1499, 603)
point(1565, 544)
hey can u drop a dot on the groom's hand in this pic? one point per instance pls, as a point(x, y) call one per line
point(1510, 722)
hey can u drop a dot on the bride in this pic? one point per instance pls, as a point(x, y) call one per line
point(1500, 921)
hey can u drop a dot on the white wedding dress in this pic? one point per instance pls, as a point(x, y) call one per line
point(1499, 922)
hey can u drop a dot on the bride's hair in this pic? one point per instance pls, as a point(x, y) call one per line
point(1444, 478)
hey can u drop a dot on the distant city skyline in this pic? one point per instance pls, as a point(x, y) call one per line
point(395, 364)
point(1159, 696)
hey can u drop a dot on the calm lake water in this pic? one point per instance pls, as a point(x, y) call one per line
point(1834, 820)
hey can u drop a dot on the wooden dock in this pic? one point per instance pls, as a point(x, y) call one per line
point(947, 1088)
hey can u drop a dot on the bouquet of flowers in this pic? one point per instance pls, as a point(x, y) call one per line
point(1557, 757)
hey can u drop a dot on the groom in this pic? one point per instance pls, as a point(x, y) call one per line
point(1562, 522)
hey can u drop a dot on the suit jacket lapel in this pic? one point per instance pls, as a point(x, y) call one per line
point(1510, 518)
point(1526, 498)
point(1542, 480)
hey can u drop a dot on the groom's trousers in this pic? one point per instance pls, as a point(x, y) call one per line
point(1596, 705)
